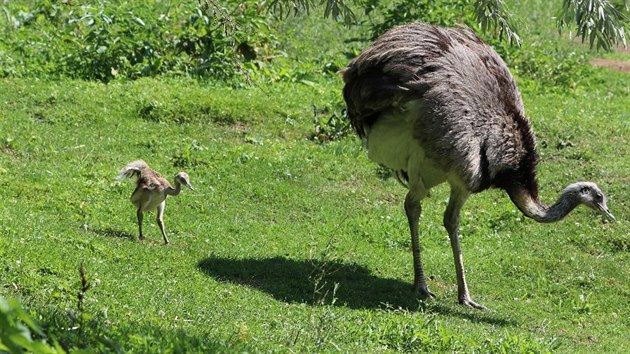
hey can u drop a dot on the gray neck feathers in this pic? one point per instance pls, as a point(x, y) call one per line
point(535, 209)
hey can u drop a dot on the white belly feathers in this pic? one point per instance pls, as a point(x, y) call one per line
point(390, 143)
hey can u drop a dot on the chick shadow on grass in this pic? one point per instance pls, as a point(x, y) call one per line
point(109, 232)
point(350, 284)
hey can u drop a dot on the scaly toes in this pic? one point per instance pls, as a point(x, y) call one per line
point(424, 292)
point(468, 302)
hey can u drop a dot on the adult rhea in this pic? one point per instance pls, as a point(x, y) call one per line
point(439, 105)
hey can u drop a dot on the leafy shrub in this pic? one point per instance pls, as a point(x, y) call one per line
point(547, 67)
point(16, 331)
point(103, 40)
point(108, 39)
point(442, 13)
point(187, 157)
point(335, 127)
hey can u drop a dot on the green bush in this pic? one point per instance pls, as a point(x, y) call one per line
point(442, 13)
point(102, 40)
point(16, 331)
point(334, 127)
point(547, 67)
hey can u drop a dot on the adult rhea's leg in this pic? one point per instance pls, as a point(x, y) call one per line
point(451, 223)
point(413, 210)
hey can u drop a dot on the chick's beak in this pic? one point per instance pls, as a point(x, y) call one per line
point(190, 186)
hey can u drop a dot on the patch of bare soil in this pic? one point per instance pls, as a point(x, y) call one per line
point(614, 64)
point(9, 151)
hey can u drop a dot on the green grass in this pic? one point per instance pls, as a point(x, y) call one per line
point(273, 212)
point(289, 245)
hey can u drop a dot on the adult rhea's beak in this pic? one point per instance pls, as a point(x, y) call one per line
point(604, 211)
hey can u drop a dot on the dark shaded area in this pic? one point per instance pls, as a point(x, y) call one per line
point(384, 173)
point(294, 281)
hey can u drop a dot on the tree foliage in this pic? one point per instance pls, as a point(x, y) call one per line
point(448, 13)
point(337, 9)
point(599, 21)
point(493, 15)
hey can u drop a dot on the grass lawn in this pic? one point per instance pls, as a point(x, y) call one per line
point(292, 245)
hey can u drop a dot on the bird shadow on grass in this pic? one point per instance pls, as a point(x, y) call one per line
point(294, 281)
point(109, 232)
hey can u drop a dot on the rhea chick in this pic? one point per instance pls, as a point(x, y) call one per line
point(151, 191)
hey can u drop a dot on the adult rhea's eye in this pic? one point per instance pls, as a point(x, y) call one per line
point(585, 190)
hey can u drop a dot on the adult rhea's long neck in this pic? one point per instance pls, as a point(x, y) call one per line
point(529, 203)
